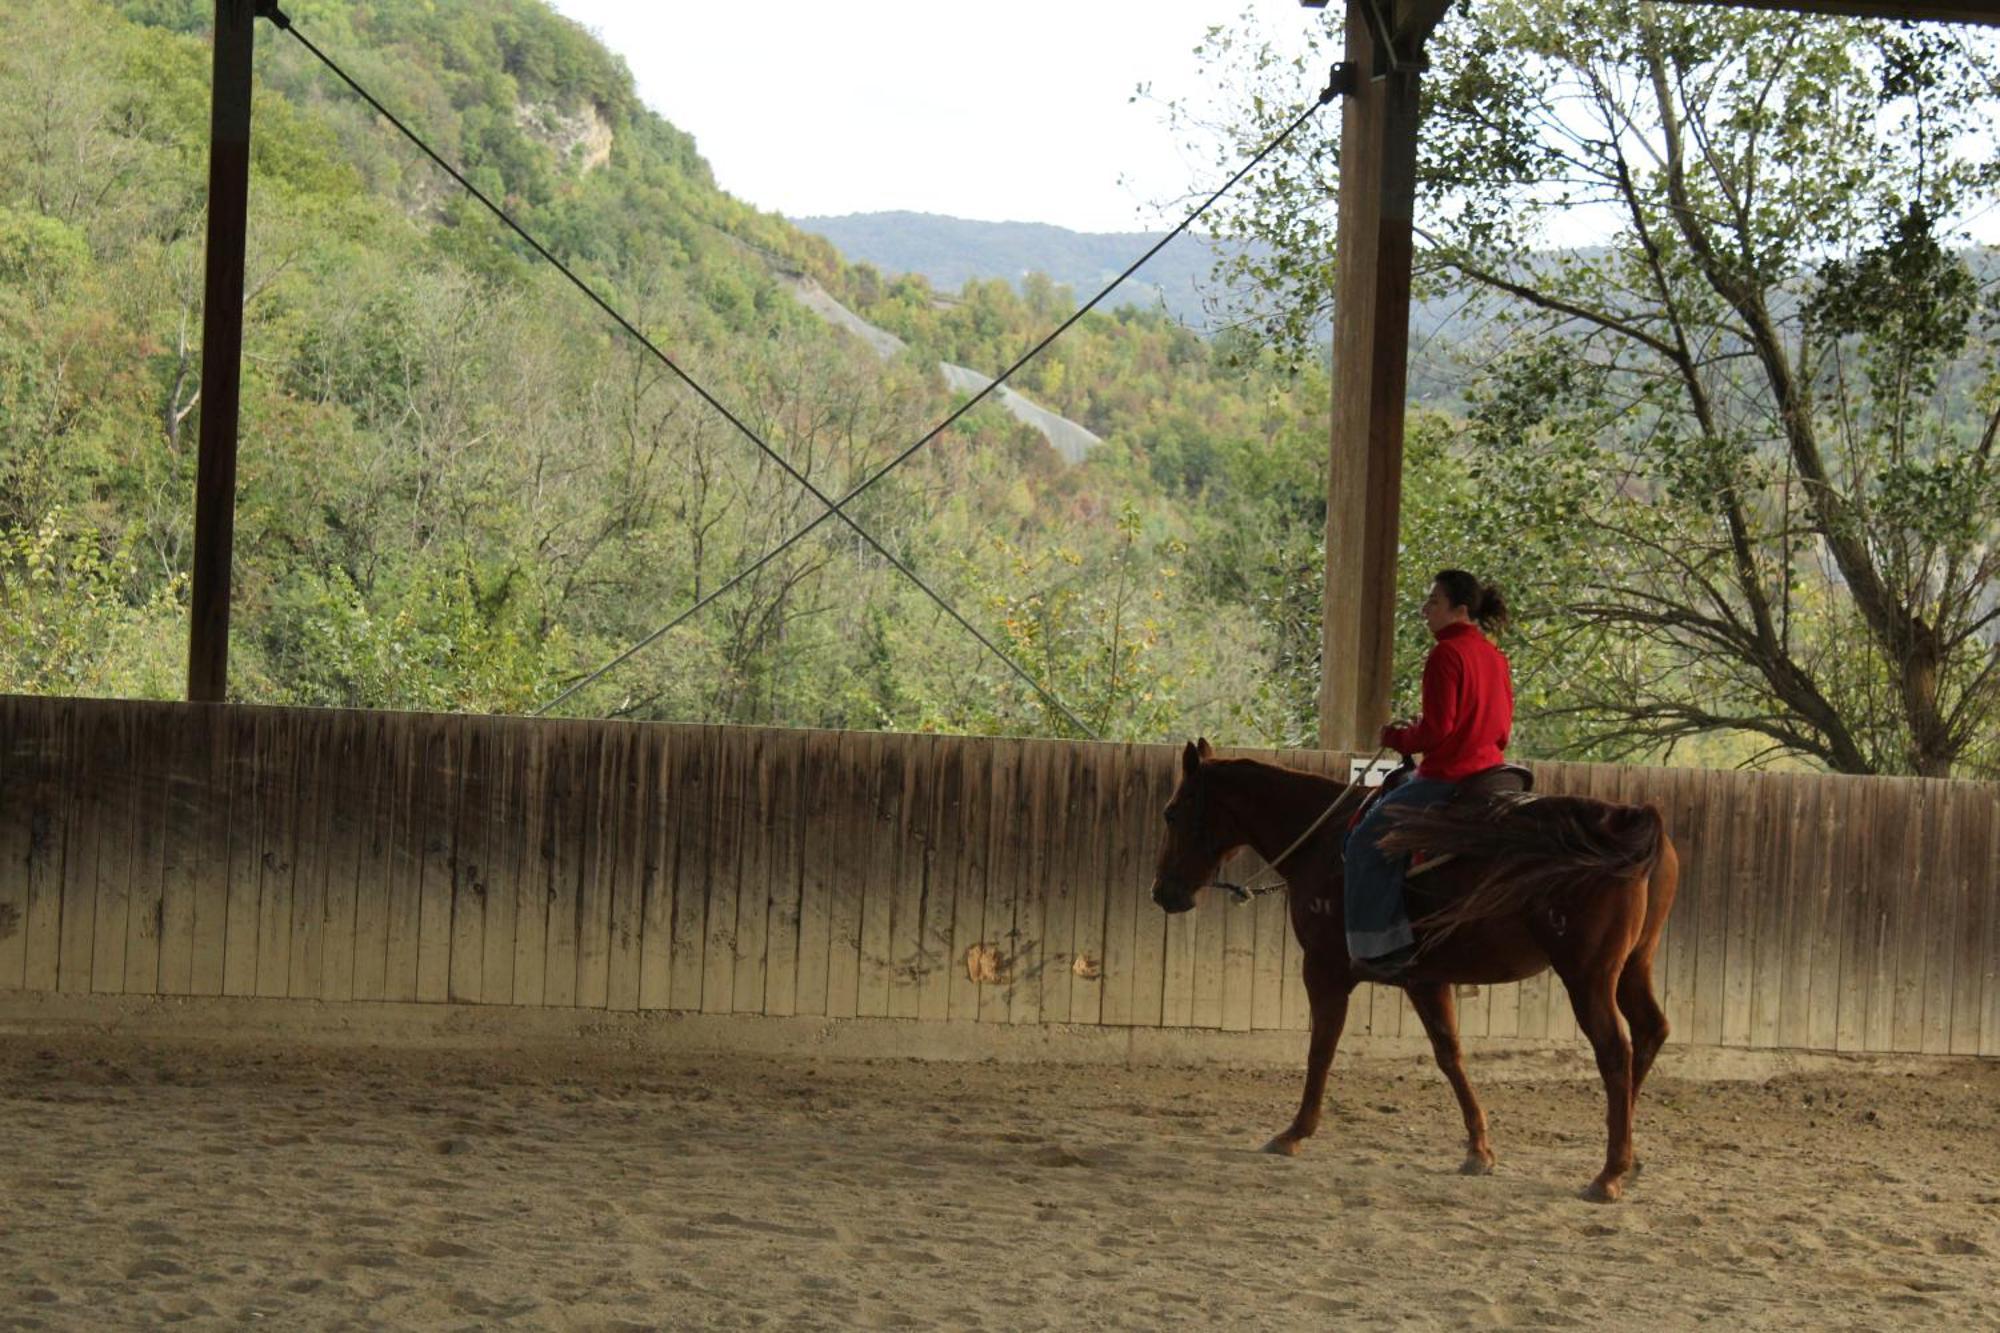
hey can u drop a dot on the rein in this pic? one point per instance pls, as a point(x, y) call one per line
point(1243, 893)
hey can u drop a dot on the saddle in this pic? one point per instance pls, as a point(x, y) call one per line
point(1502, 781)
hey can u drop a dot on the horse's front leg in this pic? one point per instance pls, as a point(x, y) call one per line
point(1327, 988)
point(1433, 1003)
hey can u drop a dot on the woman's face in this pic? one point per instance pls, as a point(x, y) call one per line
point(1439, 612)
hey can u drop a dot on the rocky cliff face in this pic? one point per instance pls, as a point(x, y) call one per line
point(580, 136)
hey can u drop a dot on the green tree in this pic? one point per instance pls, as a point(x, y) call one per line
point(1749, 438)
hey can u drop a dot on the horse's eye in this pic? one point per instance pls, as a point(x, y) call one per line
point(1172, 815)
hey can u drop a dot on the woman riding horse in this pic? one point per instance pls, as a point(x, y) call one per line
point(1468, 711)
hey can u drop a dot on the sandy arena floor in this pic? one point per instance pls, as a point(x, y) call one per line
point(355, 1189)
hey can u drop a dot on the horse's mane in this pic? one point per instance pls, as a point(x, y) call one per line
point(1532, 849)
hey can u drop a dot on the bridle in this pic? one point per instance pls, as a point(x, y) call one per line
point(1245, 893)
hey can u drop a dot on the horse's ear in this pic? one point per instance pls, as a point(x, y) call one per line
point(1202, 748)
point(1191, 757)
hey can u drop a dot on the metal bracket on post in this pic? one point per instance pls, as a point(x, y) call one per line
point(1389, 57)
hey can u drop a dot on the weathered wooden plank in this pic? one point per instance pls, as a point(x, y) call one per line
point(964, 822)
point(1750, 815)
point(818, 839)
point(1709, 881)
point(155, 758)
point(1989, 968)
point(1825, 915)
point(906, 851)
point(387, 871)
point(1132, 825)
point(312, 800)
point(1911, 905)
point(267, 937)
point(1804, 871)
point(656, 912)
point(508, 855)
point(730, 779)
point(471, 874)
point(595, 883)
point(101, 898)
point(635, 865)
point(440, 750)
point(32, 756)
point(873, 772)
point(940, 808)
point(1057, 857)
point(347, 799)
point(20, 759)
point(695, 792)
point(772, 871)
point(52, 809)
point(1858, 963)
point(1975, 969)
point(1939, 928)
point(535, 882)
point(85, 805)
point(1003, 849)
point(1765, 890)
point(575, 749)
point(1086, 842)
point(1033, 786)
point(748, 850)
point(1891, 805)
point(403, 886)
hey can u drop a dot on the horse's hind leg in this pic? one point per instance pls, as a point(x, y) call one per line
point(1594, 1002)
point(1327, 988)
point(1643, 1015)
point(1434, 1006)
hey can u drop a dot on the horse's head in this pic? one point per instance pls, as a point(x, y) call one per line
point(1195, 844)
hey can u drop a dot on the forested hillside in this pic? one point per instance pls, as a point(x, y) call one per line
point(1738, 461)
point(460, 489)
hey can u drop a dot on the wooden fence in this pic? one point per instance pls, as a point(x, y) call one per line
point(178, 849)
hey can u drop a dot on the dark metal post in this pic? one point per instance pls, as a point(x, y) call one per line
point(221, 349)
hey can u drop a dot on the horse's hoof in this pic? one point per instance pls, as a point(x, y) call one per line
point(1476, 1164)
point(1604, 1191)
point(1282, 1147)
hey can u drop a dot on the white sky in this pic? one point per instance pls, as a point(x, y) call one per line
point(1020, 112)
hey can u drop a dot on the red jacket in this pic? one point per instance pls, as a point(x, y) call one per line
point(1468, 708)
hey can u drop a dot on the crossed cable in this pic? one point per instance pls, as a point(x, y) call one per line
point(268, 9)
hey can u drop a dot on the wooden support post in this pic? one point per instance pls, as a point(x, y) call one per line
point(221, 349)
point(1371, 335)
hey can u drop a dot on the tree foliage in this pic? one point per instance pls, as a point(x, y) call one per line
point(1745, 433)
point(458, 488)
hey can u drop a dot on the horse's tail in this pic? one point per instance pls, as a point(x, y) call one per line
point(1533, 850)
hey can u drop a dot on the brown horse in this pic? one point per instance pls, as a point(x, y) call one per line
point(1580, 885)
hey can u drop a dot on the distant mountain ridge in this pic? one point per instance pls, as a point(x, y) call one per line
point(952, 251)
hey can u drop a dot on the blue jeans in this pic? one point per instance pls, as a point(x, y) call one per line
point(1377, 923)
